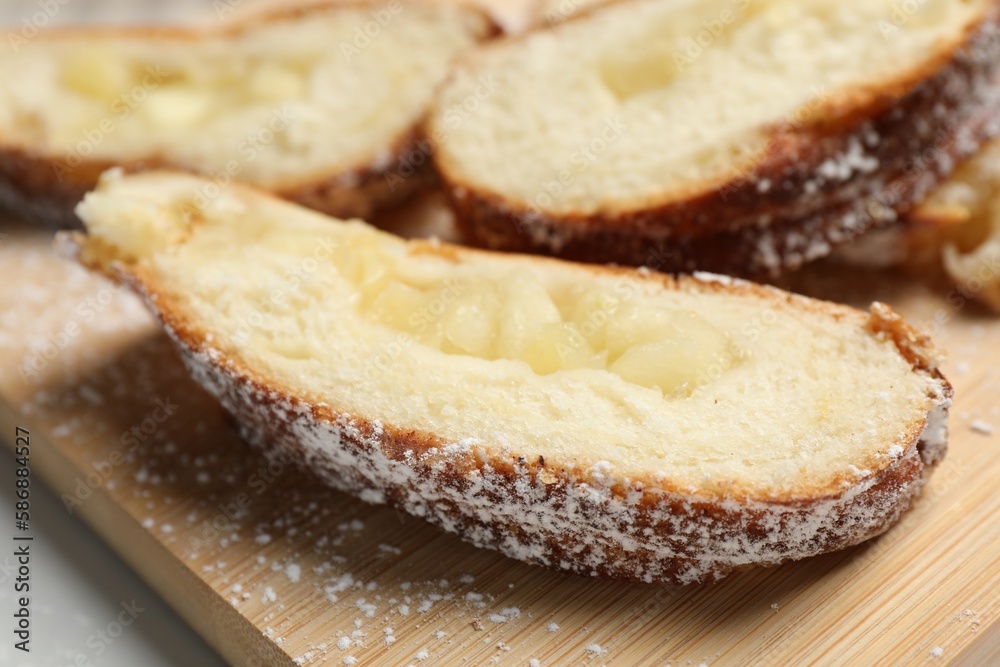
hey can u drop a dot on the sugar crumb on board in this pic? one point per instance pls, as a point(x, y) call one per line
point(982, 427)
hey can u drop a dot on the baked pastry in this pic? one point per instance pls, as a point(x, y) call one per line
point(740, 137)
point(605, 421)
point(959, 225)
point(319, 103)
point(953, 237)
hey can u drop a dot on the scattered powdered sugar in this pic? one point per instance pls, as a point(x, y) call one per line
point(982, 427)
point(848, 163)
point(422, 654)
point(553, 627)
point(366, 607)
point(507, 614)
point(937, 652)
point(594, 649)
point(293, 572)
point(344, 643)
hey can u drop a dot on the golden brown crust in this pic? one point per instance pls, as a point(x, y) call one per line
point(43, 187)
point(914, 129)
point(644, 528)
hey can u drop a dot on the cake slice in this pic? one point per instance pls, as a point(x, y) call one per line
point(319, 104)
point(603, 421)
point(739, 137)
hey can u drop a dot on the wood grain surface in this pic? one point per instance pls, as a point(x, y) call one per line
point(274, 570)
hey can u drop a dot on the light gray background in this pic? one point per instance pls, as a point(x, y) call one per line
point(78, 583)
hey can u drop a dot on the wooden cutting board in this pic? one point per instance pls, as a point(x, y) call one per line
point(274, 570)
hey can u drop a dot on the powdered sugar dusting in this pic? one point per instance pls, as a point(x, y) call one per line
point(591, 528)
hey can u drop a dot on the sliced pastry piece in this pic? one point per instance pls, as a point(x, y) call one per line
point(609, 422)
point(319, 104)
point(744, 137)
